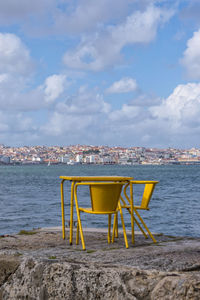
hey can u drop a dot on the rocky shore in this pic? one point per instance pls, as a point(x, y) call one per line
point(40, 265)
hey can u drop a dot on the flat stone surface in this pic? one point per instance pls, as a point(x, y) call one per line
point(168, 254)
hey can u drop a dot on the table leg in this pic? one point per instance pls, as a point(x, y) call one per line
point(116, 227)
point(71, 213)
point(132, 211)
point(63, 209)
point(109, 225)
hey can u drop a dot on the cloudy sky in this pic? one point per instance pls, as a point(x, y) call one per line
point(123, 72)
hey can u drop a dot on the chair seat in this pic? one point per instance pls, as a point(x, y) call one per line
point(90, 211)
point(135, 206)
point(140, 207)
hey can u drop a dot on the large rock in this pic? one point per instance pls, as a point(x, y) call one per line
point(8, 265)
point(55, 280)
point(44, 267)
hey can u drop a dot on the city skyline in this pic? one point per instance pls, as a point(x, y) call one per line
point(98, 73)
point(95, 146)
point(90, 154)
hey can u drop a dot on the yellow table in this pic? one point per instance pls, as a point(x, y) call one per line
point(73, 180)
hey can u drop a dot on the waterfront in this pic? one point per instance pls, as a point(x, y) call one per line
point(88, 154)
point(30, 196)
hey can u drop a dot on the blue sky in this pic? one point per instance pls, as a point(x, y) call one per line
point(124, 73)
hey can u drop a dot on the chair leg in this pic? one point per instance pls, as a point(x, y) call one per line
point(123, 226)
point(77, 234)
point(134, 219)
point(138, 224)
point(141, 229)
point(145, 226)
point(114, 226)
point(71, 213)
point(79, 225)
point(109, 225)
point(132, 228)
point(80, 228)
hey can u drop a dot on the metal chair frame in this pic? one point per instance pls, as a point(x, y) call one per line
point(104, 200)
point(133, 209)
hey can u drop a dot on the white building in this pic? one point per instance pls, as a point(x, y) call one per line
point(92, 159)
point(65, 159)
point(79, 158)
point(36, 159)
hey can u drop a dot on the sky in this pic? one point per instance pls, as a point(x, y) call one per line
point(117, 73)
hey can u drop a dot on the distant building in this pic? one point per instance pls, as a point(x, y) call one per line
point(79, 158)
point(5, 159)
point(65, 159)
point(92, 159)
point(37, 159)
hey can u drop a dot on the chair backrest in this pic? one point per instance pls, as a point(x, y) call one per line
point(148, 191)
point(105, 195)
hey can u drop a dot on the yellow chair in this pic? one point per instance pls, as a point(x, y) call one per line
point(104, 200)
point(146, 197)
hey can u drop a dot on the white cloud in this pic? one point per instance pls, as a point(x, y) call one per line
point(49, 17)
point(145, 100)
point(17, 129)
point(88, 15)
point(124, 85)
point(17, 95)
point(4, 128)
point(12, 12)
point(191, 12)
point(16, 70)
point(78, 115)
point(84, 103)
point(61, 16)
point(191, 56)
point(54, 87)
point(87, 118)
point(104, 49)
point(172, 121)
point(175, 121)
point(14, 55)
point(126, 114)
point(16, 123)
point(140, 27)
point(3, 77)
point(182, 108)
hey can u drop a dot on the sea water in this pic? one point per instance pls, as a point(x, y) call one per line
point(30, 196)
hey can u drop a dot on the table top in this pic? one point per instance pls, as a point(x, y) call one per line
point(96, 178)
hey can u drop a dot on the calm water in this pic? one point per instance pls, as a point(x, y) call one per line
point(30, 196)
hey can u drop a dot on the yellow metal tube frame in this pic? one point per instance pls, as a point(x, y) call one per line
point(130, 208)
point(75, 179)
point(79, 225)
point(62, 209)
point(71, 213)
point(144, 206)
